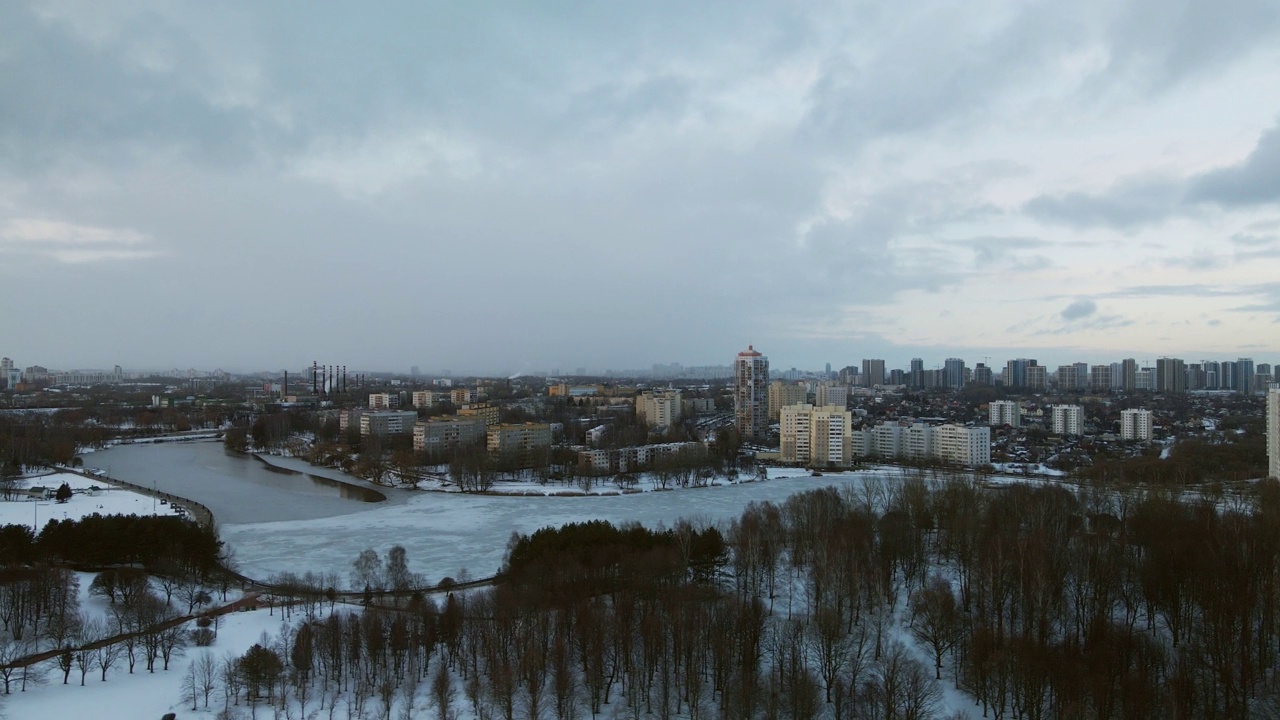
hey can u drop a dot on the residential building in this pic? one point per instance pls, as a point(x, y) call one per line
point(1136, 424)
point(1171, 375)
point(658, 408)
point(872, 372)
point(6, 370)
point(782, 394)
point(962, 445)
point(751, 394)
point(485, 411)
point(1005, 412)
point(440, 433)
point(1244, 376)
point(518, 442)
point(818, 436)
point(886, 440)
point(384, 401)
point(424, 398)
point(461, 396)
point(1068, 420)
point(1273, 431)
point(1129, 374)
point(1100, 378)
point(630, 459)
point(1066, 377)
point(350, 418)
point(915, 378)
point(388, 422)
point(1037, 377)
point(982, 374)
point(1144, 379)
point(829, 395)
point(953, 373)
point(917, 442)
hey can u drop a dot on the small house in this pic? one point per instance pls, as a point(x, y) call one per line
point(39, 492)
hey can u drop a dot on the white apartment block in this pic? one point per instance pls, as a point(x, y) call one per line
point(816, 435)
point(917, 442)
point(389, 422)
point(630, 459)
point(1136, 425)
point(1068, 420)
point(658, 409)
point(1273, 431)
point(1005, 412)
point(962, 445)
point(886, 440)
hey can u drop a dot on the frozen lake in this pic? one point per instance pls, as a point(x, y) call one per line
point(276, 522)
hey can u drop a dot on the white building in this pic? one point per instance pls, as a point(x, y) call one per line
point(384, 401)
point(886, 440)
point(1068, 420)
point(388, 422)
point(917, 442)
point(962, 445)
point(1136, 425)
point(1005, 412)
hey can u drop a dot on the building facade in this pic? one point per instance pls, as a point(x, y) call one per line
point(1005, 412)
point(782, 394)
point(658, 408)
point(751, 394)
point(388, 422)
point(442, 433)
point(1068, 420)
point(816, 436)
point(1136, 424)
point(1273, 431)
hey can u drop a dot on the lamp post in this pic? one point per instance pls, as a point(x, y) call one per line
point(35, 530)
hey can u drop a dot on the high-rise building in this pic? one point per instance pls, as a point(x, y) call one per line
point(1136, 424)
point(970, 446)
point(1171, 375)
point(819, 436)
point(751, 394)
point(1244, 376)
point(981, 374)
point(1068, 420)
point(1100, 378)
point(6, 369)
point(953, 373)
point(1273, 431)
point(1037, 377)
point(872, 372)
point(915, 378)
point(1212, 374)
point(1066, 376)
point(782, 394)
point(1005, 412)
point(1129, 374)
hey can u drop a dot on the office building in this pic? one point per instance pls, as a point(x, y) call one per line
point(1005, 412)
point(1136, 425)
point(1068, 420)
point(751, 394)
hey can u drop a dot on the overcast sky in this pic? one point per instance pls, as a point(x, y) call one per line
point(557, 184)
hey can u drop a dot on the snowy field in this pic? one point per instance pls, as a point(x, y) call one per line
point(107, 500)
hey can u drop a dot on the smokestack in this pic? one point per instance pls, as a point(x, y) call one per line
point(314, 390)
point(344, 378)
point(284, 389)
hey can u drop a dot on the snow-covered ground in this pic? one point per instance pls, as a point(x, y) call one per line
point(107, 500)
point(142, 694)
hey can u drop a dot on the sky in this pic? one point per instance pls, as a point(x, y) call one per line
point(501, 187)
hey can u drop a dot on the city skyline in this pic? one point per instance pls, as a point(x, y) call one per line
point(511, 187)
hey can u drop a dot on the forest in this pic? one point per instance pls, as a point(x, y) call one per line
point(1033, 601)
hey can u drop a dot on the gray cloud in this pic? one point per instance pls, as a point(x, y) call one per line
point(1254, 181)
point(1081, 308)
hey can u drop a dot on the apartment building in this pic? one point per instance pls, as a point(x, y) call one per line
point(658, 408)
point(782, 394)
point(819, 436)
point(1136, 424)
point(441, 433)
point(518, 441)
point(388, 422)
point(1068, 420)
point(1004, 412)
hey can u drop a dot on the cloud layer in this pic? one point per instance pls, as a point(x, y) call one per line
point(520, 186)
